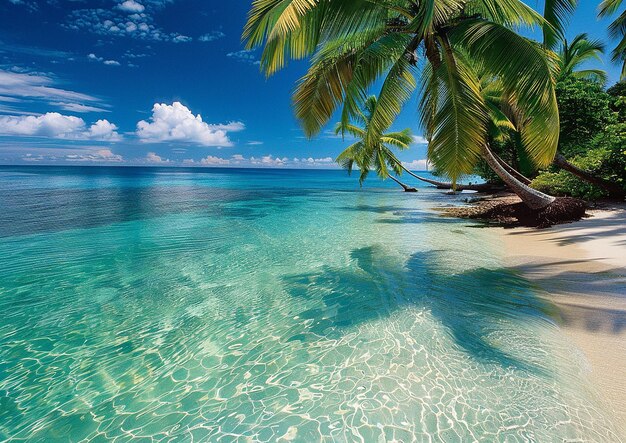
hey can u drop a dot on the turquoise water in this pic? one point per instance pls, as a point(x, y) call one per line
point(268, 305)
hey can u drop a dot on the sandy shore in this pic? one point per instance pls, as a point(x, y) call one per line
point(582, 268)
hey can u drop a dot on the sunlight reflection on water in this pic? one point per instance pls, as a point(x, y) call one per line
point(176, 312)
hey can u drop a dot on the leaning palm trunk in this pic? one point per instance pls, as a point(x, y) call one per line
point(483, 187)
point(511, 170)
point(613, 189)
point(531, 197)
point(405, 187)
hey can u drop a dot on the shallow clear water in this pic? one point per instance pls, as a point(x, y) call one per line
point(258, 305)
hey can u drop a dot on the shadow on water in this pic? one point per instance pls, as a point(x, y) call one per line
point(470, 305)
point(585, 311)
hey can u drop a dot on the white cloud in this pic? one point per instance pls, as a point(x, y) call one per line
point(269, 160)
point(238, 160)
point(254, 143)
point(316, 161)
point(37, 86)
point(103, 130)
point(77, 107)
point(417, 165)
point(245, 55)
point(211, 36)
point(94, 57)
point(214, 161)
point(86, 154)
point(179, 38)
point(229, 127)
point(56, 125)
point(420, 140)
point(101, 155)
point(131, 6)
point(176, 123)
point(128, 19)
point(152, 157)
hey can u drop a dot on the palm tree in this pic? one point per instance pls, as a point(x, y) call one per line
point(380, 155)
point(617, 30)
point(357, 43)
point(572, 55)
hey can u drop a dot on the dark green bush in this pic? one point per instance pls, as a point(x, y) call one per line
point(604, 156)
point(584, 110)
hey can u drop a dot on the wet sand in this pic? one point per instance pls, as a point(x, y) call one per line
point(582, 269)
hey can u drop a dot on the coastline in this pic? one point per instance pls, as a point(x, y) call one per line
point(581, 268)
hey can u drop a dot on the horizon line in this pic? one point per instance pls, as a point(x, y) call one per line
point(113, 165)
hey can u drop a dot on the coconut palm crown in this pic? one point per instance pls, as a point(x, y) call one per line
point(572, 55)
point(379, 155)
point(406, 46)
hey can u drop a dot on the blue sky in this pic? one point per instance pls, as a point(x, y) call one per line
point(124, 81)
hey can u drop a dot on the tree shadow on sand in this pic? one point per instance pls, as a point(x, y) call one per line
point(470, 305)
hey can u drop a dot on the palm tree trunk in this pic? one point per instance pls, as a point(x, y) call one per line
point(483, 187)
point(405, 187)
point(531, 197)
point(613, 189)
point(511, 170)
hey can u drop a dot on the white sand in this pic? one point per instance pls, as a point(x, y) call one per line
point(582, 266)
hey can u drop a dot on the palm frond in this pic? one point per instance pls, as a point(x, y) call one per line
point(556, 14)
point(527, 78)
point(458, 125)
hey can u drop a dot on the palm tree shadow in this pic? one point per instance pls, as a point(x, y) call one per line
point(471, 305)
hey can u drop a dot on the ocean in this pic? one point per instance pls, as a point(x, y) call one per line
point(174, 304)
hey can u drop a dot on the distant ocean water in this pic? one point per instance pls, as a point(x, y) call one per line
point(258, 305)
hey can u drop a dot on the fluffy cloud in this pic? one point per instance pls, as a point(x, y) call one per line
point(176, 123)
point(152, 157)
point(128, 19)
point(103, 130)
point(56, 125)
point(315, 161)
point(131, 6)
point(269, 160)
point(214, 161)
point(101, 155)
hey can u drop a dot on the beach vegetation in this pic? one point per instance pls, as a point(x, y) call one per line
point(432, 49)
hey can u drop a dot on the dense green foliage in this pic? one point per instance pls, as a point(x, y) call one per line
point(593, 138)
point(618, 102)
point(585, 110)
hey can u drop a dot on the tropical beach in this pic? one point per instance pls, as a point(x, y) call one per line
point(312, 221)
point(581, 269)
